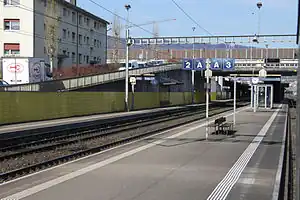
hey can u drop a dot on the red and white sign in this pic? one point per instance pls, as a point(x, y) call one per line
point(15, 68)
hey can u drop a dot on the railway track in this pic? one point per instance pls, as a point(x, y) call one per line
point(12, 152)
point(12, 141)
point(29, 156)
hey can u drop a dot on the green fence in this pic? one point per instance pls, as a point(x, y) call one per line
point(33, 106)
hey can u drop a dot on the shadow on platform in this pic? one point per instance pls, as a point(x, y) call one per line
point(224, 139)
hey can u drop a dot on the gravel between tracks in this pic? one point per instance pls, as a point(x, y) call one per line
point(35, 158)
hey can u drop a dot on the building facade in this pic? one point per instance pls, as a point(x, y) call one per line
point(53, 29)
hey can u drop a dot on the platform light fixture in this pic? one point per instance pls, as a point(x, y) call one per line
point(128, 41)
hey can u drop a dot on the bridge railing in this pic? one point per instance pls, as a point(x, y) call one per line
point(81, 82)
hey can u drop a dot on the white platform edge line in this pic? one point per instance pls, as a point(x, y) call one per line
point(56, 181)
point(127, 144)
point(275, 194)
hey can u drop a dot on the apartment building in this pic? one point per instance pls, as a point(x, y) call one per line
point(52, 28)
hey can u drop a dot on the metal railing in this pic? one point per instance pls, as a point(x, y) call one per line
point(88, 81)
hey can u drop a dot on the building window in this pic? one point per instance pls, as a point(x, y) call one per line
point(95, 42)
point(68, 34)
point(65, 52)
point(80, 58)
point(11, 24)
point(11, 2)
point(95, 24)
point(80, 39)
point(87, 40)
point(73, 37)
point(64, 33)
point(73, 17)
point(80, 20)
point(88, 22)
point(87, 59)
point(11, 48)
point(65, 12)
point(73, 57)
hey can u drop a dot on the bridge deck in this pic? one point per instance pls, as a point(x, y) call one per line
point(81, 82)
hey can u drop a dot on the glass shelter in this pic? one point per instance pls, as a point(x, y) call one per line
point(262, 96)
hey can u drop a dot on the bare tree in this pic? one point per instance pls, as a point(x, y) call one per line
point(52, 22)
point(155, 35)
point(116, 31)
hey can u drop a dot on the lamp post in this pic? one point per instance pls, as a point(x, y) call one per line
point(259, 5)
point(267, 51)
point(193, 71)
point(127, 6)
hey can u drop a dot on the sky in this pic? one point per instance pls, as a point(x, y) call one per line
point(219, 17)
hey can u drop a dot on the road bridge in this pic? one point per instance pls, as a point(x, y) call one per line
point(284, 67)
point(254, 51)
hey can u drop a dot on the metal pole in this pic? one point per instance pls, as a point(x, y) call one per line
point(258, 22)
point(16, 81)
point(252, 95)
point(127, 72)
point(255, 97)
point(207, 105)
point(193, 75)
point(132, 98)
point(266, 89)
point(234, 100)
point(271, 106)
point(297, 134)
point(127, 59)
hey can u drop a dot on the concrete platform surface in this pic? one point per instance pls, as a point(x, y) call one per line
point(175, 165)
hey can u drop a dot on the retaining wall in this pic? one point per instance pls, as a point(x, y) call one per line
point(18, 107)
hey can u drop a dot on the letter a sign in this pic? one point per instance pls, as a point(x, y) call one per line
point(216, 64)
point(199, 64)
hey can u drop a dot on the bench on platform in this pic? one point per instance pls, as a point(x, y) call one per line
point(221, 126)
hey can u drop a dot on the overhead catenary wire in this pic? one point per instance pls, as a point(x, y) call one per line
point(123, 18)
point(192, 19)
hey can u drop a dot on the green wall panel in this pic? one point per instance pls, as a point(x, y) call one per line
point(26, 106)
point(213, 96)
point(33, 106)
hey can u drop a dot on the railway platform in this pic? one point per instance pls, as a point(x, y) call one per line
point(175, 164)
point(7, 129)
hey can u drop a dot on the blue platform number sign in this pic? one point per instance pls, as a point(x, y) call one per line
point(216, 64)
point(228, 64)
point(187, 64)
point(199, 64)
